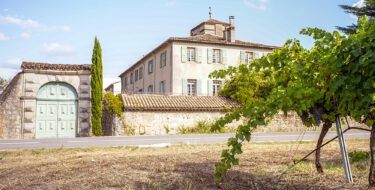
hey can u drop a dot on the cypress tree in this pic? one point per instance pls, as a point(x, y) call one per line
point(96, 89)
point(367, 10)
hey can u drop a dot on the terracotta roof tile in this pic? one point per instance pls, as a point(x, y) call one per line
point(176, 103)
point(58, 67)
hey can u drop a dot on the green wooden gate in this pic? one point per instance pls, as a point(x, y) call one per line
point(56, 115)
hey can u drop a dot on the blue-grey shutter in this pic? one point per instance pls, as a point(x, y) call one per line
point(184, 87)
point(209, 55)
point(183, 54)
point(199, 55)
point(209, 87)
point(199, 87)
point(224, 56)
point(242, 57)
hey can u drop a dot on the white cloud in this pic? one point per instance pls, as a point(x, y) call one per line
point(25, 23)
point(360, 4)
point(3, 37)
point(25, 35)
point(8, 73)
point(14, 63)
point(56, 49)
point(29, 23)
point(257, 4)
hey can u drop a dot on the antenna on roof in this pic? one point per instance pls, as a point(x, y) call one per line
point(209, 13)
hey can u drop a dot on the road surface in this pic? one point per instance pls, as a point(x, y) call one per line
point(164, 140)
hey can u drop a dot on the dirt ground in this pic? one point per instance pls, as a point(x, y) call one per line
point(178, 167)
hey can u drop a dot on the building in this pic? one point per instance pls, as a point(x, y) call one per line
point(181, 65)
point(114, 87)
point(47, 101)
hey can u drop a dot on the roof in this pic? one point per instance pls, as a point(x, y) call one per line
point(202, 39)
point(177, 103)
point(212, 22)
point(211, 39)
point(58, 67)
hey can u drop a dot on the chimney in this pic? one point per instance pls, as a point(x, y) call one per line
point(231, 33)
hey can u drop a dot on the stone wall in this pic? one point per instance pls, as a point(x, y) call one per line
point(160, 123)
point(11, 109)
point(18, 101)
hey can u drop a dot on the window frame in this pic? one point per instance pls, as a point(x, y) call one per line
point(217, 58)
point(131, 78)
point(162, 86)
point(150, 87)
point(140, 73)
point(191, 53)
point(191, 85)
point(150, 66)
point(247, 53)
point(163, 59)
point(216, 87)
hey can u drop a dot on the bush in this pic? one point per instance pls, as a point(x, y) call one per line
point(358, 156)
point(202, 127)
point(113, 104)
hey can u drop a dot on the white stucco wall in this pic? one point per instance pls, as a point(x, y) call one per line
point(200, 71)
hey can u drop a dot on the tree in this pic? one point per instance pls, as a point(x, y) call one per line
point(336, 74)
point(3, 84)
point(96, 89)
point(368, 9)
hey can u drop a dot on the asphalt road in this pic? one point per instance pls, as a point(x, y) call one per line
point(164, 140)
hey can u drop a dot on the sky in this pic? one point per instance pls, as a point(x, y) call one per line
point(63, 31)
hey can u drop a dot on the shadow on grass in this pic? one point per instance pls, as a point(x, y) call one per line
point(201, 176)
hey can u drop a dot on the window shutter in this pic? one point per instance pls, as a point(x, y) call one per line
point(209, 87)
point(184, 87)
point(209, 55)
point(242, 57)
point(198, 55)
point(183, 54)
point(224, 56)
point(199, 87)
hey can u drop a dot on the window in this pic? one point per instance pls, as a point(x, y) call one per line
point(216, 56)
point(191, 87)
point(150, 89)
point(190, 54)
point(162, 87)
point(136, 75)
point(140, 73)
point(140, 91)
point(249, 56)
point(126, 82)
point(150, 67)
point(131, 78)
point(216, 86)
point(163, 59)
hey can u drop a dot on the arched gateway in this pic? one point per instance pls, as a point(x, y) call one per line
point(56, 114)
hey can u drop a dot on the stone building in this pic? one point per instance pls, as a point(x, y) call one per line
point(181, 65)
point(47, 101)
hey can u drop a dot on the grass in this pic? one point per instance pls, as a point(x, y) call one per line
point(203, 127)
point(178, 167)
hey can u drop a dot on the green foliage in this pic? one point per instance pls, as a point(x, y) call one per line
point(335, 77)
point(201, 128)
point(96, 89)
point(113, 104)
point(3, 83)
point(358, 156)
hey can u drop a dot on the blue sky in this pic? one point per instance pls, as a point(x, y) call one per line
point(63, 31)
